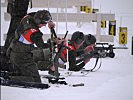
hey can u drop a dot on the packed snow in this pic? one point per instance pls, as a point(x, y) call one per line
point(113, 81)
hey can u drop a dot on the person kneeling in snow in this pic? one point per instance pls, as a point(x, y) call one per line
point(20, 50)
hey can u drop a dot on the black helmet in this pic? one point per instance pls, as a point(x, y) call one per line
point(89, 39)
point(77, 37)
point(42, 17)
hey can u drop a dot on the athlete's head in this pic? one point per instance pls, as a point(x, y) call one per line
point(42, 17)
point(89, 39)
point(77, 38)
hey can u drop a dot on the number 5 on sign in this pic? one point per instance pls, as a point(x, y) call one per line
point(123, 35)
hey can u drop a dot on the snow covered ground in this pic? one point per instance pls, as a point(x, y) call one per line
point(112, 82)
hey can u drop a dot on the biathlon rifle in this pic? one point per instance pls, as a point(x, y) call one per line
point(56, 57)
point(106, 50)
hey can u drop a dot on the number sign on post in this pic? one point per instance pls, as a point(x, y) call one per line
point(123, 35)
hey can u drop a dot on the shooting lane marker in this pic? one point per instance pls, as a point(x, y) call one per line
point(112, 27)
point(123, 35)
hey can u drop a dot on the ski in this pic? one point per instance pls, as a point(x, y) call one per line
point(72, 85)
point(78, 73)
point(58, 81)
point(54, 80)
point(20, 84)
point(52, 77)
point(82, 72)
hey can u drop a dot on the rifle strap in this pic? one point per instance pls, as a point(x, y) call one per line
point(94, 68)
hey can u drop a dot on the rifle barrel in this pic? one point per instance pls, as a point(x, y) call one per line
point(66, 34)
point(120, 47)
